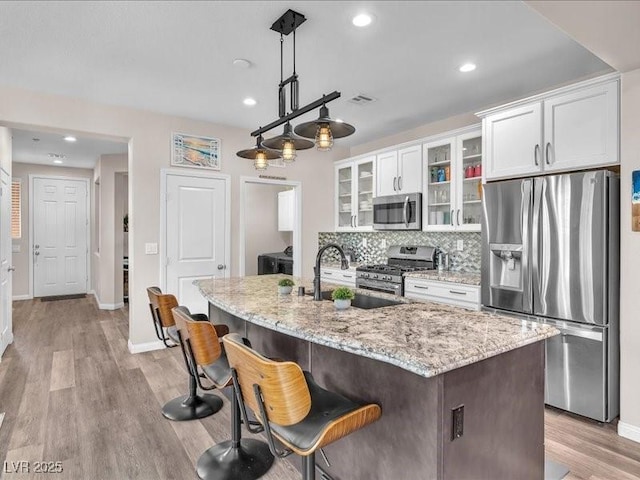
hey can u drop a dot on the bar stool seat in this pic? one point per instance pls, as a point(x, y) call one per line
point(291, 406)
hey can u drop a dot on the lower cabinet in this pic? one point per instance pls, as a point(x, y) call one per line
point(455, 294)
point(339, 276)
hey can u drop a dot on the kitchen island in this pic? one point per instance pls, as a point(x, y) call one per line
point(421, 363)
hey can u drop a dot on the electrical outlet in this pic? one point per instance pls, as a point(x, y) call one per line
point(460, 245)
point(383, 243)
point(457, 422)
point(364, 243)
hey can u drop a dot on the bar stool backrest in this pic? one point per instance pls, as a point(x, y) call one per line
point(162, 303)
point(203, 337)
point(284, 390)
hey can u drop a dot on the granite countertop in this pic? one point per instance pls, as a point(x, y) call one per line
point(447, 276)
point(422, 337)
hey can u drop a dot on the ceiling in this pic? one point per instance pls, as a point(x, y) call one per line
point(176, 57)
point(80, 154)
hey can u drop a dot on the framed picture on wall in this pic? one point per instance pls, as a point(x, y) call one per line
point(195, 151)
point(635, 201)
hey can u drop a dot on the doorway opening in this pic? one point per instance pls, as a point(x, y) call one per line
point(270, 226)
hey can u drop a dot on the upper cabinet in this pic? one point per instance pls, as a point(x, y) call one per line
point(355, 182)
point(453, 183)
point(574, 129)
point(399, 171)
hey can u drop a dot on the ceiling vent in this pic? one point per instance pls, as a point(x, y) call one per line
point(362, 99)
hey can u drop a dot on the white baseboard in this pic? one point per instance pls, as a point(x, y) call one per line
point(106, 306)
point(145, 347)
point(21, 297)
point(629, 431)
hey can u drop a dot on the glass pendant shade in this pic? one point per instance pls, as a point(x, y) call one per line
point(289, 153)
point(324, 138)
point(261, 161)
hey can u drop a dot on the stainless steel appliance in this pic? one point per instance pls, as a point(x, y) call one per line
point(398, 212)
point(551, 253)
point(400, 259)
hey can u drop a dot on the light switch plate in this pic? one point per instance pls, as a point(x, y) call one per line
point(15, 248)
point(383, 243)
point(364, 243)
point(460, 245)
point(151, 248)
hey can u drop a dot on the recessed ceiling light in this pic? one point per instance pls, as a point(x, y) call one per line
point(467, 67)
point(57, 161)
point(241, 63)
point(249, 102)
point(362, 20)
point(70, 138)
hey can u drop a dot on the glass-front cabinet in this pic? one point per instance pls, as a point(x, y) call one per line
point(453, 183)
point(355, 182)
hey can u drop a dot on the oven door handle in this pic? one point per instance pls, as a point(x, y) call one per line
point(405, 213)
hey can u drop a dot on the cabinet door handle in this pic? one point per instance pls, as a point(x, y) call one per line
point(395, 183)
point(456, 292)
point(452, 218)
point(347, 276)
point(546, 153)
point(421, 287)
point(536, 154)
point(458, 217)
point(400, 183)
point(327, 273)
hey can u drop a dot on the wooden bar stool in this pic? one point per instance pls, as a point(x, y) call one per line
point(170, 327)
point(238, 458)
point(191, 406)
point(291, 406)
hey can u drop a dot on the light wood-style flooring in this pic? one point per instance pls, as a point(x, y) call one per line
point(71, 392)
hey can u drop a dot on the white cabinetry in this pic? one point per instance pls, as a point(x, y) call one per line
point(355, 181)
point(466, 296)
point(570, 129)
point(286, 210)
point(399, 171)
point(453, 194)
point(339, 276)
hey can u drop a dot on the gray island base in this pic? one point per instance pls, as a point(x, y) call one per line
point(475, 410)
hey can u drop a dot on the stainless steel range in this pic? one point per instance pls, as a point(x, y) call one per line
point(400, 259)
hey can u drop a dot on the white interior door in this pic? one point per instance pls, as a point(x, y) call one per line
point(60, 226)
point(6, 334)
point(195, 223)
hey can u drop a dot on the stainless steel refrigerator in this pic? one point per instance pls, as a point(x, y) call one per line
point(550, 253)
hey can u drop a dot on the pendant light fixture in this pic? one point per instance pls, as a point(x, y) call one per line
point(323, 130)
point(259, 155)
point(288, 143)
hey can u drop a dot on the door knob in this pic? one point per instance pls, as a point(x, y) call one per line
point(11, 269)
point(37, 253)
point(221, 267)
point(36, 246)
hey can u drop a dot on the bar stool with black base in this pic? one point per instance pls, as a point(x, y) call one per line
point(170, 339)
point(291, 406)
point(191, 406)
point(238, 458)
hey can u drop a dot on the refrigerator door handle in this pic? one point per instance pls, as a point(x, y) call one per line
point(539, 188)
point(525, 215)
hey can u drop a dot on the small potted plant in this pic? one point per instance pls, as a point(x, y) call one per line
point(342, 297)
point(285, 286)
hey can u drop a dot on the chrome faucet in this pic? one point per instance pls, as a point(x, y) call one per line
point(344, 264)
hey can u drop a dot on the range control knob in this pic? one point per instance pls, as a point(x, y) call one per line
point(375, 276)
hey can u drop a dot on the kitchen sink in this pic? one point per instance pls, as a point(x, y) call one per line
point(365, 302)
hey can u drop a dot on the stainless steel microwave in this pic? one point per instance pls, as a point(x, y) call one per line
point(398, 212)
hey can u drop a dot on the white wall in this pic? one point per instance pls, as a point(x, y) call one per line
point(149, 151)
point(21, 259)
point(630, 262)
point(108, 288)
point(261, 224)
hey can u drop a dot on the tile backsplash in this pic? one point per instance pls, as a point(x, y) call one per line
point(375, 251)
